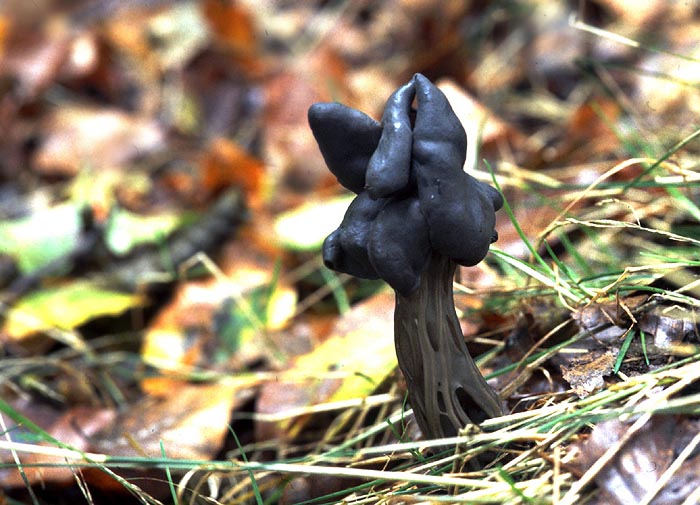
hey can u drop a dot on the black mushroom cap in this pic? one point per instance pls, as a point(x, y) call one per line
point(399, 244)
point(345, 250)
point(460, 210)
point(413, 194)
point(347, 139)
point(390, 166)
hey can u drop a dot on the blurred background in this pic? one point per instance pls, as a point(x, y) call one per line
point(163, 202)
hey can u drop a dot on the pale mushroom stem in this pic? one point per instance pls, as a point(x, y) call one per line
point(445, 388)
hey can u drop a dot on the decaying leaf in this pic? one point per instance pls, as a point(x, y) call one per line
point(220, 322)
point(32, 58)
point(191, 422)
point(74, 428)
point(233, 25)
point(84, 137)
point(126, 230)
point(226, 164)
point(670, 326)
point(633, 473)
point(65, 307)
point(177, 34)
point(361, 350)
point(607, 321)
point(289, 145)
point(662, 330)
point(585, 373)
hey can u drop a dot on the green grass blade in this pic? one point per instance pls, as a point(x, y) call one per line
point(623, 350)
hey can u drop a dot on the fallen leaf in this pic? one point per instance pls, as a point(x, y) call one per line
point(219, 322)
point(177, 34)
point(670, 326)
point(640, 462)
point(33, 58)
point(289, 145)
point(306, 227)
point(74, 428)
point(608, 321)
point(225, 163)
point(94, 138)
point(4, 31)
point(191, 423)
point(585, 373)
point(45, 235)
point(233, 25)
point(64, 307)
point(360, 349)
point(595, 119)
point(127, 230)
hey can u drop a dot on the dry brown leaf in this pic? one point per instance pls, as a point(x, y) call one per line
point(33, 59)
point(191, 423)
point(4, 32)
point(225, 163)
point(638, 465)
point(589, 133)
point(128, 31)
point(74, 428)
point(670, 326)
point(585, 373)
point(94, 138)
point(668, 329)
point(233, 25)
point(607, 321)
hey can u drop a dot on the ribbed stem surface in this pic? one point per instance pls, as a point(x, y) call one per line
point(445, 388)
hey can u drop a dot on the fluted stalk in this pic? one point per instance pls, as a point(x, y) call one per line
point(445, 388)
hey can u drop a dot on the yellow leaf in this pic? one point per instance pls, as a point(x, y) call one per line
point(305, 227)
point(65, 307)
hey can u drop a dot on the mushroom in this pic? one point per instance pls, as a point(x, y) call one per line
point(416, 216)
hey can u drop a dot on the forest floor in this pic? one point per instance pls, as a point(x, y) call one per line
point(169, 333)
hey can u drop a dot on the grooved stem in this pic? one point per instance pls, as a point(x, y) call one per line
point(445, 387)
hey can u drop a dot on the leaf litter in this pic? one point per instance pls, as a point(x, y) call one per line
point(162, 111)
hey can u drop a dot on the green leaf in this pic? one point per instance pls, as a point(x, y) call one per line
point(127, 230)
point(65, 307)
point(40, 238)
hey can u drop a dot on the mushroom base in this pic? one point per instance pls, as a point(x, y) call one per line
point(445, 388)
